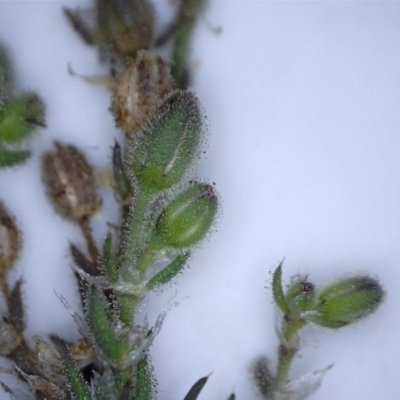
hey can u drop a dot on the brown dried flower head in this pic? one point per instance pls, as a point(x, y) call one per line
point(70, 182)
point(138, 90)
point(9, 240)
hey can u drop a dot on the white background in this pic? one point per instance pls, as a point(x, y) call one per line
point(303, 106)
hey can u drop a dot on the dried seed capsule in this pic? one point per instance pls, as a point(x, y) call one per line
point(347, 300)
point(10, 337)
point(170, 142)
point(9, 241)
point(125, 26)
point(189, 217)
point(70, 182)
point(138, 91)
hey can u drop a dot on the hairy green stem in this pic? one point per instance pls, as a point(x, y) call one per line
point(288, 348)
point(134, 234)
point(185, 22)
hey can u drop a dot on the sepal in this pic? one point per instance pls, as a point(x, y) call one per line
point(169, 272)
point(77, 387)
point(277, 290)
point(196, 389)
point(112, 345)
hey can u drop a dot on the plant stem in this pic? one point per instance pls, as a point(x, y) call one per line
point(185, 22)
point(288, 348)
point(133, 235)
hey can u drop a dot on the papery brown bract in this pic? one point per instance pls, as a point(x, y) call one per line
point(138, 90)
point(70, 182)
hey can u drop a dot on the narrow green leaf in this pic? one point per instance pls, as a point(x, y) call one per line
point(169, 272)
point(277, 290)
point(145, 382)
point(77, 387)
point(195, 390)
point(123, 185)
point(100, 322)
point(110, 263)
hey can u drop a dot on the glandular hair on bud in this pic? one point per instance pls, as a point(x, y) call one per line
point(70, 182)
point(9, 240)
point(189, 217)
point(139, 89)
point(348, 300)
point(170, 142)
point(300, 295)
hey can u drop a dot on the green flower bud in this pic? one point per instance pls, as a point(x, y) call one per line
point(170, 142)
point(20, 116)
point(347, 300)
point(188, 218)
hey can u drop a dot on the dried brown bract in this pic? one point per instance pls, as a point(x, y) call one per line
point(139, 89)
point(9, 240)
point(70, 182)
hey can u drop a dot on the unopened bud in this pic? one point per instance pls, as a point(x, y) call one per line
point(70, 182)
point(19, 116)
point(347, 300)
point(125, 26)
point(9, 240)
point(139, 89)
point(170, 142)
point(189, 217)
